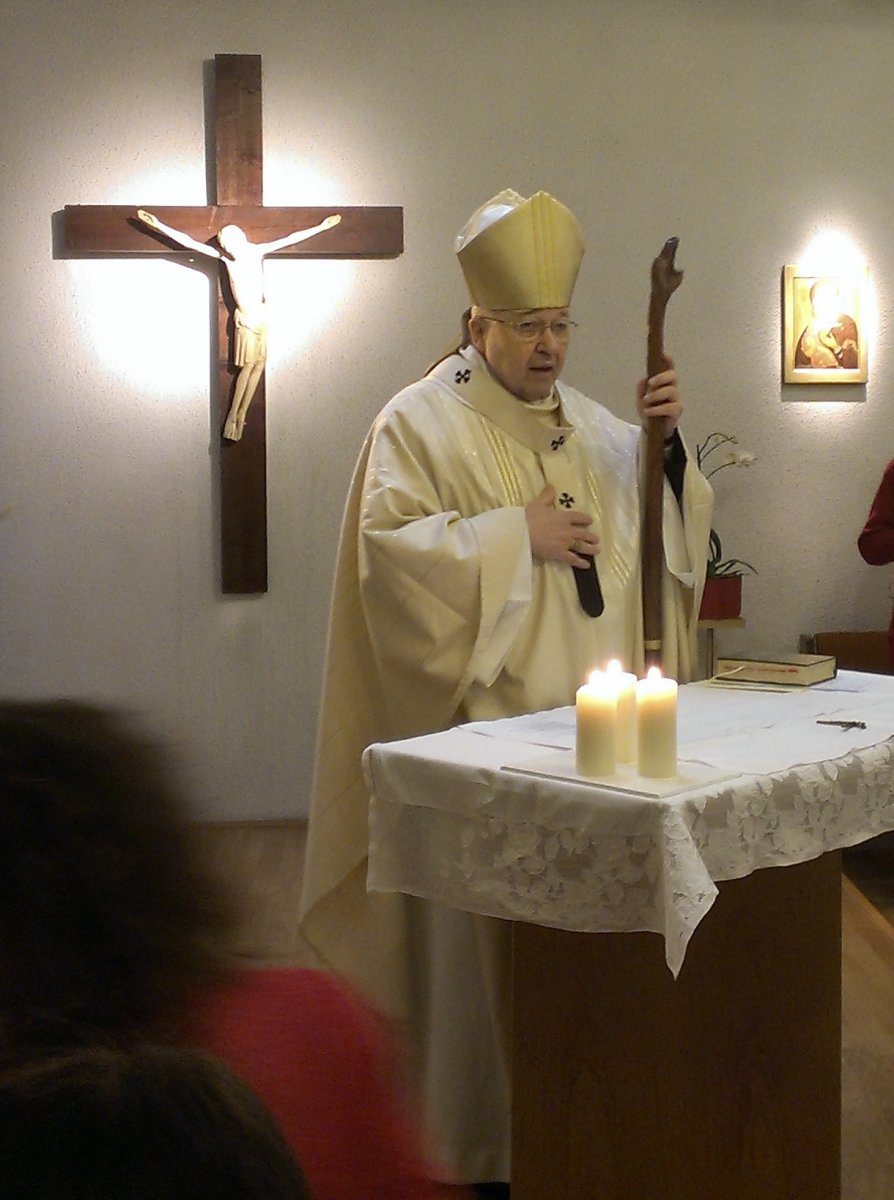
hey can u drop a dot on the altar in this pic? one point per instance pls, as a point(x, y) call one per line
point(699, 1053)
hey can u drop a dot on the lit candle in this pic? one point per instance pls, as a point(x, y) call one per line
point(597, 707)
point(625, 729)
point(656, 725)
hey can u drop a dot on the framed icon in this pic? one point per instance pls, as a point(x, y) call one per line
point(823, 339)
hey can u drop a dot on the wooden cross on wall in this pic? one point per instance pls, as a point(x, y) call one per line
point(238, 200)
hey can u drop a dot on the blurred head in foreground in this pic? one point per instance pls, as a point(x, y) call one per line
point(109, 921)
point(151, 1123)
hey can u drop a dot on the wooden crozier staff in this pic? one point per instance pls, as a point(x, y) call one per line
point(665, 281)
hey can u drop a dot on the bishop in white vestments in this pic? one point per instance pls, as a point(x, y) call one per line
point(489, 560)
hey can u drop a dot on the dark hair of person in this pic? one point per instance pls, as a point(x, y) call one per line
point(151, 1123)
point(109, 919)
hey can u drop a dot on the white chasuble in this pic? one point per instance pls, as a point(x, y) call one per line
point(441, 615)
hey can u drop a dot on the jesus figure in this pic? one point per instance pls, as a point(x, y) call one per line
point(243, 260)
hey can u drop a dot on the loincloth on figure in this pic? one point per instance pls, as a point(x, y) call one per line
point(250, 341)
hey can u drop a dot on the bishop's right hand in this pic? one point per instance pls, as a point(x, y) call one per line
point(559, 534)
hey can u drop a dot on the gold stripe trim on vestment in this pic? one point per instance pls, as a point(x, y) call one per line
point(503, 459)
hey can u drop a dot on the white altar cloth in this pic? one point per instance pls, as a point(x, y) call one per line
point(454, 817)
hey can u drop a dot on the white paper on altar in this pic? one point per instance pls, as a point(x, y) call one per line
point(717, 727)
point(851, 681)
point(762, 734)
point(560, 764)
point(555, 727)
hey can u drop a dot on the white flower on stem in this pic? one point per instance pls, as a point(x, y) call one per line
point(717, 564)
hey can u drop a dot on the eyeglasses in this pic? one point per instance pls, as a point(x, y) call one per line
point(531, 329)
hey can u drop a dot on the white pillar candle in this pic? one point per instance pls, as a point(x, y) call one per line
point(656, 725)
point(597, 707)
point(625, 728)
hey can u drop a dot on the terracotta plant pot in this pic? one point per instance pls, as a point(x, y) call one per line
point(722, 598)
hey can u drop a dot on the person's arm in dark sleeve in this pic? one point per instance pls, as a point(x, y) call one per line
point(876, 541)
point(675, 464)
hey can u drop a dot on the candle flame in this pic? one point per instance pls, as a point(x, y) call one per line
point(594, 678)
point(654, 673)
point(614, 667)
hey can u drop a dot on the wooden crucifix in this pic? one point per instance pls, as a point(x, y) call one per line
point(238, 201)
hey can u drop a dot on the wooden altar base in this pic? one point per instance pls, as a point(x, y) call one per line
point(724, 1084)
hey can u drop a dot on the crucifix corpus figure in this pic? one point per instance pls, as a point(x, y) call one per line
point(244, 263)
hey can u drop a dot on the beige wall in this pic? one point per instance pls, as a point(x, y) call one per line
point(741, 128)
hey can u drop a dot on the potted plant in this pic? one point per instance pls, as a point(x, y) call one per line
point(722, 597)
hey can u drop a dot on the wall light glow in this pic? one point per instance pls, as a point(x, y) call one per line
point(293, 182)
point(175, 182)
point(830, 252)
point(304, 297)
point(146, 323)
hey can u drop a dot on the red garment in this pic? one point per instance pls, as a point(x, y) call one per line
point(876, 542)
point(322, 1062)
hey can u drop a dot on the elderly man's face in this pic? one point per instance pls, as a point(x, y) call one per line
point(527, 367)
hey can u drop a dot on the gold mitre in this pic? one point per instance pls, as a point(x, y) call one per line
point(521, 254)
